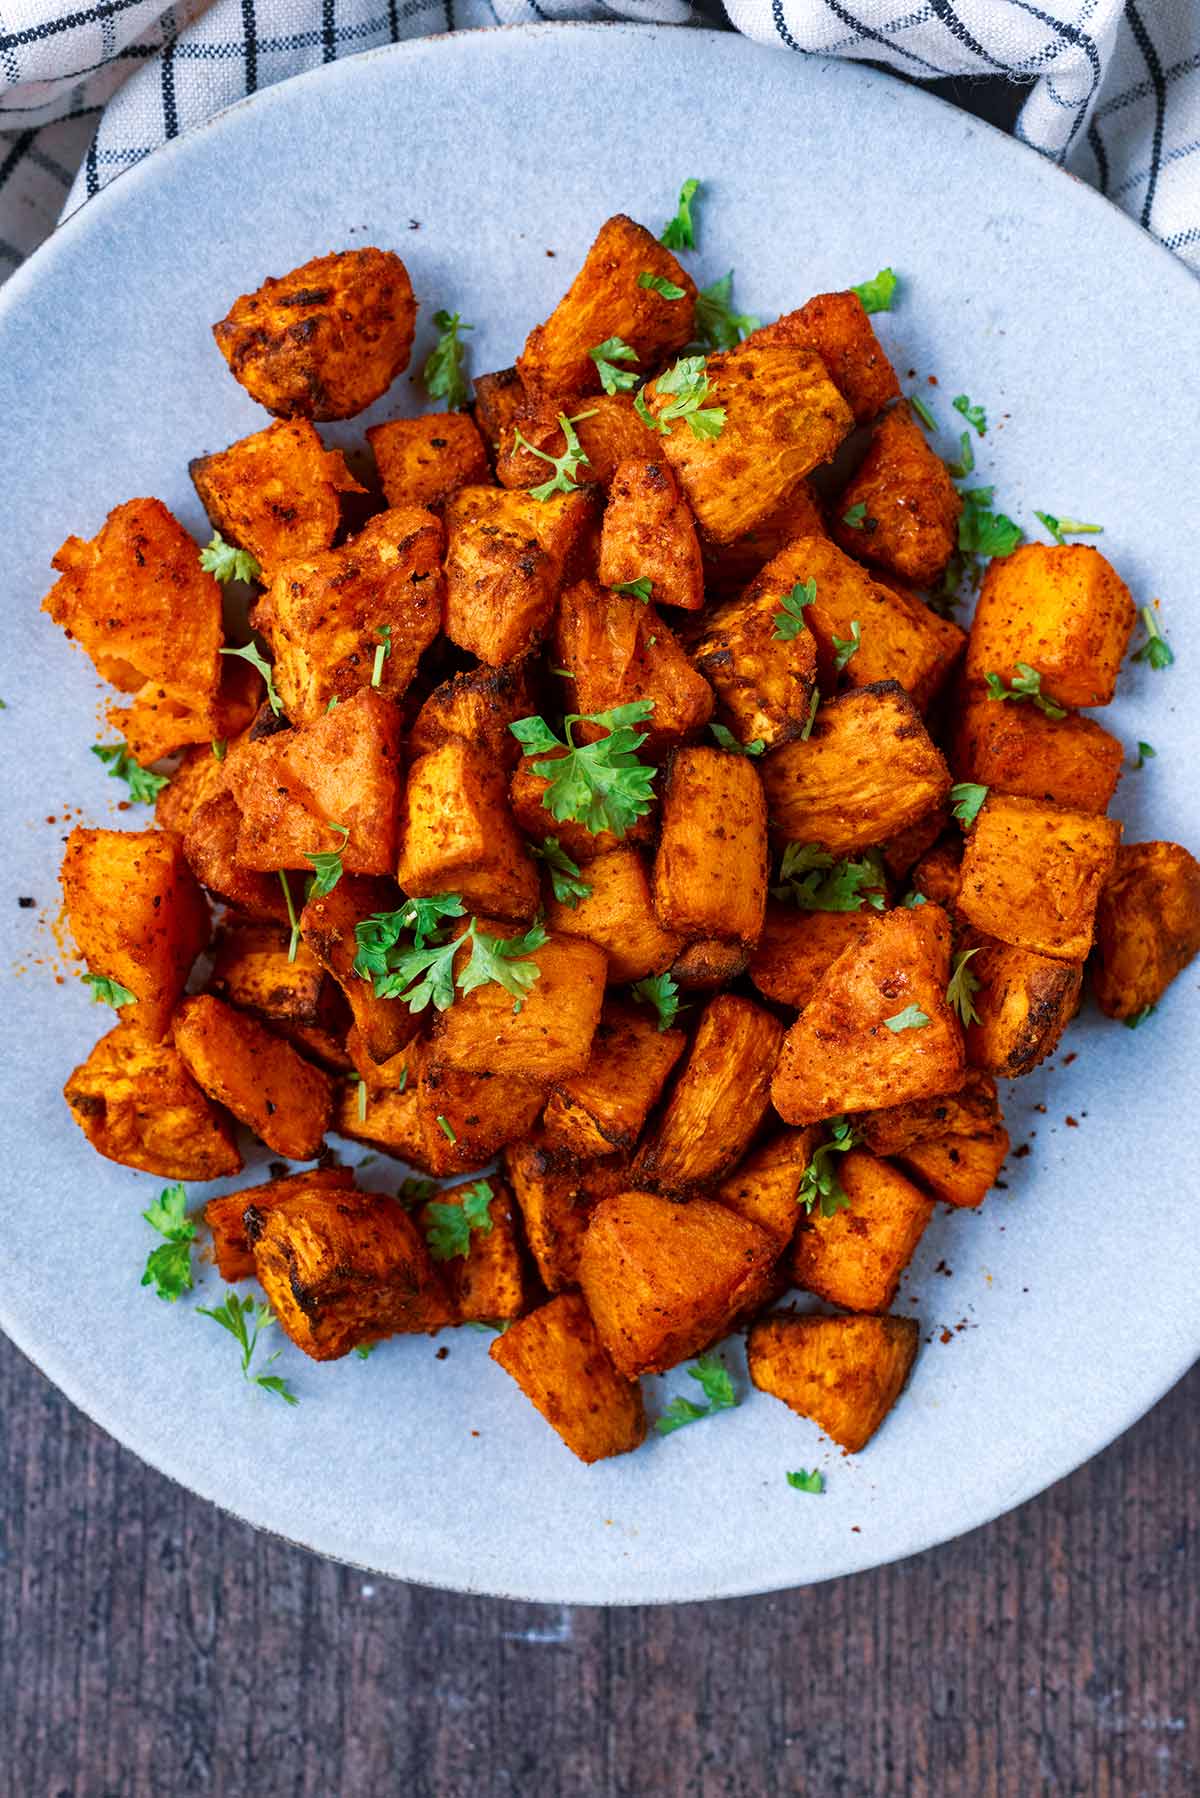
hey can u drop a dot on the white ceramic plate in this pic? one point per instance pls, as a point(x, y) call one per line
point(1071, 1298)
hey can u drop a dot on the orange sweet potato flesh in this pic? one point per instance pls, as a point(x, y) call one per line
point(710, 873)
point(708, 963)
point(836, 326)
point(1032, 874)
point(557, 1194)
point(252, 969)
point(728, 567)
point(1070, 761)
point(845, 1373)
point(764, 682)
point(198, 777)
point(466, 1118)
point(1061, 608)
point(910, 522)
point(1148, 926)
point(327, 926)
point(606, 424)
point(478, 705)
point(488, 1282)
point(603, 1109)
point(422, 461)
point(210, 849)
point(649, 533)
point(457, 834)
point(325, 340)
point(226, 1215)
point(498, 399)
point(277, 494)
point(619, 650)
point(764, 1188)
point(618, 915)
point(159, 722)
point(136, 1103)
point(549, 1037)
point(796, 947)
point(856, 1257)
point(557, 1359)
point(507, 555)
point(255, 1074)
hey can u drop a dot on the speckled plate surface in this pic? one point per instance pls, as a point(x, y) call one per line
point(1055, 1316)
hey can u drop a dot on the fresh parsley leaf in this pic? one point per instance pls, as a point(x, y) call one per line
point(327, 865)
point(254, 655)
point(922, 411)
point(911, 1018)
point(967, 797)
point(982, 532)
point(660, 991)
point(449, 1228)
point(686, 384)
point(380, 933)
point(169, 1267)
point(813, 881)
point(640, 589)
point(245, 1321)
point(1139, 1017)
point(813, 704)
point(106, 991)
point(679, 233)
point(362, 1096)
point(1146, 753)
point(226, 563)
point(966, 458)
point(443, 371)
point(718, 326)
point(717, 1387)
point(502, 960)
point(963, 986)
point(856, 516)
point(845, 647)
point(819, 1182)
point(660, 284)
point(600, 785)
point(1062, 528)
point(416, 1192)
point(912, 900)
point(1026, 684)
point(568, 888)
point(727, 740)
point(365, 1350)
point(878, 294)
point(1155, 650)
point(606, 355)
point(975, 416)
point(564, 466)
point(446, 1128)
point(219, 749)
point(144, 787)
point(384, 633)
point(802, 1481)
point(420, 977)
point(789, 622)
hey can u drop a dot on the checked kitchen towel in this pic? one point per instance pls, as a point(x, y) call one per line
point(89, 87)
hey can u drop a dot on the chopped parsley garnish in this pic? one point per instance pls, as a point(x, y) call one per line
point(718, 326)
point(966, 458)
point(912, 900)
point(878, 294)
point(802, 1481)
point(245, 1321)
point(293, 920)
point(717, 1387)
point(660, 284)
point(966, 798)
point(219, 748)
point(600, 785)
point(443, 372)
point(449, 1228)
point(819, 1182)
point(446, 1128)
point(568, 888)
point(169, 1266)
point(365, 1350)
point(813, 703)
point(911, 1018)
point(1139, 1017)
point(1155, 650)
point(144, 787)
point(362, 1097)
point(982, 532)
point(856, 516)
point(1146, 753)
point(423, 975)
point(727, 740)
point(845, 647)
point(640, 589)
point(922, 411)
point(660, 991)
point(606, 355)
point(975, 416)
point(379, 933)
point(327, 865)
point(679, 233)
point(686, 382)
point(225, 563)
point(963, 986)
point(106, 991)
point(416, 1192)
point(1025, 684)
point(384, 633)
point(564, 466)
point(1062, 528)
point(789, 621)
point(254, 655)
point(814, 881)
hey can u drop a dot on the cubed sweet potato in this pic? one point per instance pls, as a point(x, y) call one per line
point(557, 1194)
point(868, 770)
point(783, 416)
point(325, 340)
point(251, 970)
point(838, 328)
point(708, 963)
point(649, 534)
point(498, 399)
point(387, 1121)
point(910, 506)
point(878, 1030)
point(710, 873)
point(137, 914)
point(938, 873)
point(845, 1373)
point(487, 1283)
point(199, 776)
point(477, 706)
point(603, 1109)
point(159, 722)
point(902, 852)
point(277, 494)
point(226, 1215)
point(136, 1103)
point(557, 1359)
point(728, 567)
point(1032, 874)
point(765, 680)
point(467, 1118)
point(665, 1281)
point(618, 915)
point(1023, 1003)
point(526, 796)
point(719, 1098)
point(607, 427)
point(953, 1147)
point(327, 926)
point(855, 1258)
point(608, 298)
point(549, 1035)
point(422, 461)
point(210, 850)
point(1070, 761)
point(1147, 926)
point(765, 1188)
point(506, 558)
point(618, 650)
point(255, 1074)
point(1062, 609)
point(457, 834)
point(328, 615)
point(796, 947)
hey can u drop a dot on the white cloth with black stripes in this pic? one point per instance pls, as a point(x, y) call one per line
point(88, 87)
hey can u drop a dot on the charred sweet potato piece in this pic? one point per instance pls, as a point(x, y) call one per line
point(602, 1110)
point(557, 1359)
point(709, 963)
point(341, 1268)
point(487, 1282)
point(764, 678)
point(665, 1281)
point(526, 796)
point(277, 494)
point(897, 1127)
point(710, 873)
point(910, 506)
point(729, 567)
point(422, 461)
point(765, 1188)
point(328, 615)
point(136, 1103)
point(855, 1258)
point(251, 970)
point(719, 1098)
point(159, 722)
point(210, 850)
point(457, 835)
point(226, 1215)
point(618, 915)
point(953, 1147)
point(317, 1043)
point(325, 340)
point(649, 534)
point(506, 556)
point(845, 1373)
point(878, 1030)
point(901, 853)
point(836, 326)
point(137, 914)
point(1023, 1004)
point(557, 1194)
point(607, 426)
point(868, 770)
point(609, 299)
point(498, 399)
point(1032, 874)
point(327, 926)
point(783, 416)
point(618, 651)
point(199, 776)
point(796, 947)
point(477, 706)
point(1069, 761)
point(1060, 608)
point(1147, 926)
point(467, 1118)
point(550, 1036)
point(938, 874)
point(333, 785)
point(255, 1074)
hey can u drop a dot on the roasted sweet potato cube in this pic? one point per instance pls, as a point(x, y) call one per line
point(136, 1103)
point(910, 506)
point(607, 426)
point(938, 874)
point(467, 1118)
point(506, 557)
point(838, 328)
point(199, 776)
point(325, 340)
point(301, 791)
point(796, 948)
point(719, 1098)
point(477, 706)
point(765, 1188)
point(855, 1258)
point(1069, 761)
point(1023, 1004)
point(868, 770)
point(388, 1076)
point(878, 1030)
point(457, 834)
point(953, 1147)
point(608, 298)
point(251, 970)
point(328, 615)
point(710, 873)
point(557, 1359)
point(665, 1281)
point(845, 1373)
point(1147, 926)
point(317, 1043)
point(618, 650)
point(342, 1268)
point(422, 461)
point(278, 494)
point(765, 681)
point(158, 722)
point(783, 416)
point(602, 1110)
point(649, 534)
point(255, 1074)
point(897, 1127)
point(327, 926)
point(387, 1121)
point(549, 1037)
point(498, 399)
point(137, 914)
point(1032, 874)
point(226, 1215)
point(709, 963)
point(618, 915)
point(557, 1194)
point(210, 850)
point(1060, 608)
point(729, 567)
point(901, 853)
point(526, 796)
point(487, 1282)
